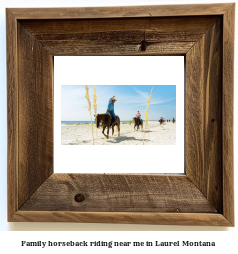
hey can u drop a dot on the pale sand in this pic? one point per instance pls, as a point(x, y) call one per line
point(155, 134)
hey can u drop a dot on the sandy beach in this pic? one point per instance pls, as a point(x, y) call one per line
point(155, 134)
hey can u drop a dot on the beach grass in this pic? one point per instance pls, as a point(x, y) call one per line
point(147, 118)
point(95, 109)
point(127, 123)
point(89, 107)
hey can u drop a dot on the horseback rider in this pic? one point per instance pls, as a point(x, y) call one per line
point(161, 120)
point(138, 115)
point(110, 109)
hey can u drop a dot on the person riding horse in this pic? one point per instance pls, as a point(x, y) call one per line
point(110, 109)
point(138, 115)
point(109, 119)
point(161, 120)
point(138, 121)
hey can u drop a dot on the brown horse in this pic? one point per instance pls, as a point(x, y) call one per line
point(161, 121)
point(106, 121)
point(137, 123)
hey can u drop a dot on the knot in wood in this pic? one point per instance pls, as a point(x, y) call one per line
point(79, 198)
point(143, 45)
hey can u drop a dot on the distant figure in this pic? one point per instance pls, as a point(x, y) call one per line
point(161, 120)
point(110, 109)
point(138, 115)
point(167, 120)
point(173, 120)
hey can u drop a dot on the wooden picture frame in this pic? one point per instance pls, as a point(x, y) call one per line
point(204, 34)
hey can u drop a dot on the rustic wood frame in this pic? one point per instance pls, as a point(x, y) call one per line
point(204, 34)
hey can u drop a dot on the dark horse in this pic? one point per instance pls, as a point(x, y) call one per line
point(161, 121)
point(106, 121)
point(137, 123)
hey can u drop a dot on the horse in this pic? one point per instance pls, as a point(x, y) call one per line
point(105, 120)
point(161, 121)
point(137, 123)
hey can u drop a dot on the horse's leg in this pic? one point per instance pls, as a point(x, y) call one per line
point(112, 130)
point(108, 127)
point(118, 124)
point(104, 127)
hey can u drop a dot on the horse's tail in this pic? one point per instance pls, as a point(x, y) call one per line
point(118, 123)
point(118, 120)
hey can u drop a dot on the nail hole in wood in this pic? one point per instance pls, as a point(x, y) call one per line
point(79, 198)
point(213, 120)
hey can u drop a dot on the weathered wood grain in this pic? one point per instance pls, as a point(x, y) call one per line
point(178, 25)
point(119, 37)
point(228, 113)
point(121, 11)
point(35, 111)
point(192, 219)
point(12, 116)
point(174, 36)
point(114, 193)
point(78, 26)
point(203, 120)
point(72, 48)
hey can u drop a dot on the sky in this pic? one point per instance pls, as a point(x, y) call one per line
point(130, 99)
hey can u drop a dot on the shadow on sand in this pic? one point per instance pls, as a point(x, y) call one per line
point(121, 139)
point(148, 131)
